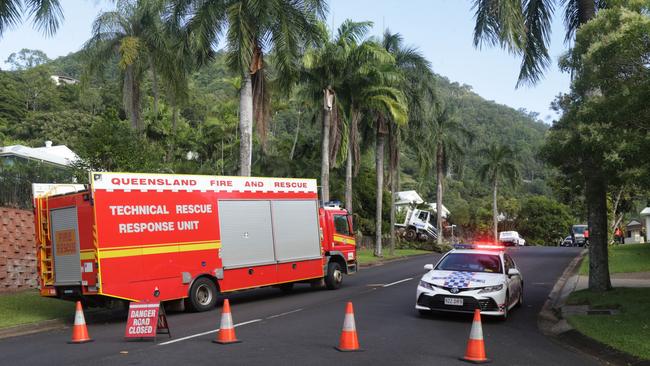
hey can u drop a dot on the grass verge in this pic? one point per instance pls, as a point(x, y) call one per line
point(365, 256)
point(624, 258)
point(30, 307)
point(627, 331)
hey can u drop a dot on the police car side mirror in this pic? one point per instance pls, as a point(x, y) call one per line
point(428, 267)
point(513, 272)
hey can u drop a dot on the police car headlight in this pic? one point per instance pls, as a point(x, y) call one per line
point(426, 285)
point(491, 289)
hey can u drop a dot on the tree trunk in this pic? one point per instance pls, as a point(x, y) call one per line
point(154, 87)
point(495, 212)
point(586, 10)
point(394, 184)
point(348, 167)
point(440, 175)
point(348, 179)
point(295, 137)
point(246, 126)
point(127, 96)
point(596, 195)
point(379, 168)
point(325, 146)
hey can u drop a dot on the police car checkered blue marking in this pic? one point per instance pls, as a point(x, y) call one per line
point(458, 279)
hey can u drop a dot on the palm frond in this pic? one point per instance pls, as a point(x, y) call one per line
point(351, 32)
point(9, 14)
point(47, 14)
point(537, 19)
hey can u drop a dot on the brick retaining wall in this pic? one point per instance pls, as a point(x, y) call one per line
point(17, 250)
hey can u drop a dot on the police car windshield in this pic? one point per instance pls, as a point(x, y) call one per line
point(471, 262)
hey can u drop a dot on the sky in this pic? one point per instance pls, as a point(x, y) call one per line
point(441, 29)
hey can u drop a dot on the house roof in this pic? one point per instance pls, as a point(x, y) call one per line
point(633, 223)
point(57, 155)
point(645, 211)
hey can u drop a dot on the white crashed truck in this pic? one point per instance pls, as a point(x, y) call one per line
point(418, 225)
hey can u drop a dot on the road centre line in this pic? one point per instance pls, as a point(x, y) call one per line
point(283, 314)
point(206, 333)
point(396, 282)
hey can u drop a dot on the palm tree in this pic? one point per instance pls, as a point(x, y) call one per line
point(324, 75)
point(133, 33)
point(446, 131)
point(253, 29)
point(368, 86)
point(524, 27)
point(499, 164)
point(387, 102)
point(418, 85)
point(47, 14)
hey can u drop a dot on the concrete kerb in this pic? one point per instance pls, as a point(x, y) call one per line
point(550, 321)
point(25, 329)
point(552, 324)
point(383, 261)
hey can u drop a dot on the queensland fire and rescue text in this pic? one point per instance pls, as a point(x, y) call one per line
point(141, 227)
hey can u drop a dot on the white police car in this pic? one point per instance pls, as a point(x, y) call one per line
point(471, 276)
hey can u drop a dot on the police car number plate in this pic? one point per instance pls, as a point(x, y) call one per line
point(453, 301)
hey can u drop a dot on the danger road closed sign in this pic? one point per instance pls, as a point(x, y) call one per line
point(143, 320)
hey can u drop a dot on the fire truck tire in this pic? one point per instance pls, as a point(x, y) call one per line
point(203, 295)
point(334, 276)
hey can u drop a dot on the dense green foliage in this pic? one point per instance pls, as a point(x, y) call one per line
point(543, 220)
point(89, 118)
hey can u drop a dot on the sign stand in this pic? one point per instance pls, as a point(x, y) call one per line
point(146, 320)
point(163, 326)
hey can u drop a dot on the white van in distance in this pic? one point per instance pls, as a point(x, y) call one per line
point(511, 238)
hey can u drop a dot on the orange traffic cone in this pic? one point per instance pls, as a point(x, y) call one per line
point(349, 340)
point(475, 352)
point(226, 334)
point(79, 329)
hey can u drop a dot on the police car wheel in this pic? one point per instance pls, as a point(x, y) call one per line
point(520, 302)
point(334, 276)
point(504, 316)
point(203, 295)
point(425, 313)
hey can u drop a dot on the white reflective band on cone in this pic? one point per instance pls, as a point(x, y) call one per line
point(226, 321)
point(348, 323)
point(79, 318)
point(477, 331)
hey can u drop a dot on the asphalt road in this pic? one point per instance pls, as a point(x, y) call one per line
point(302, 327)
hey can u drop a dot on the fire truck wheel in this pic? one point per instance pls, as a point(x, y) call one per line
point(334, 276)
point(203, 295)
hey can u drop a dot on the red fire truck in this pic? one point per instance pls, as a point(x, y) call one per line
point(159, 237)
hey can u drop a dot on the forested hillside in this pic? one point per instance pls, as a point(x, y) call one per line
point(200, 136)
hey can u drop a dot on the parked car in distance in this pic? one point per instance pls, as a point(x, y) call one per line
point(567, 242)
point(580, 235)
point(511, 238)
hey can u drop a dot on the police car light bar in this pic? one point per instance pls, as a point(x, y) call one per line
point(478, 246)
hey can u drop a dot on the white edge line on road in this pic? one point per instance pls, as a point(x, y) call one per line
point(205, 333)
point(283, 314)
point(396, 282)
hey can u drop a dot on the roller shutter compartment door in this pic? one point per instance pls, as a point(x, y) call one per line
point(246, 233)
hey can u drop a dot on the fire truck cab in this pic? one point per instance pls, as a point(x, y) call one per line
point(158, 237)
